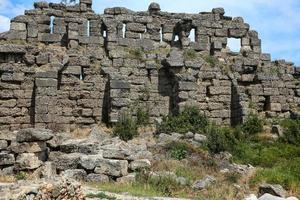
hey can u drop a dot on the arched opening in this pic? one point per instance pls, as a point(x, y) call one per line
point(192, 35)
point(88, 32)
point(52, 18)
point(124, 30)
point(81, 76)
point(104, 30)
point(161, 34)
point(234, 44)
point(176, 38)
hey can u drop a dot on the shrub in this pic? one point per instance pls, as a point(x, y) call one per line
point(212, 61)
point(219, 139)
point(291, 131)
point(190, 54)
point(126, 128)
point(21, 176)
point(253, 125)
point(163, 184)
point(143, 116)
point(190, 119)
point(178, 151)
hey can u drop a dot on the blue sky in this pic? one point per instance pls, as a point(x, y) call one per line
point(277, 21)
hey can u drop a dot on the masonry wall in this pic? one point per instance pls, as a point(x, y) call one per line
point(64, 67)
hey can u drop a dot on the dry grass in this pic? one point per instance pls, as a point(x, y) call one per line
point(80, 133)
point(7, 179)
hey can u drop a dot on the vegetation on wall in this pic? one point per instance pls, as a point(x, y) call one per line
point(190, 119)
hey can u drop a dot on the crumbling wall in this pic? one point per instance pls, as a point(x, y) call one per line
point(68, 67)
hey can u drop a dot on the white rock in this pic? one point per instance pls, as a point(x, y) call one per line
point(251, 197)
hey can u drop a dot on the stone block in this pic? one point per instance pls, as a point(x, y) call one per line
point(237, 33)
point(27, 147)
point(140, 164)
point(213, 90)
point(187, 86)
point(47, 37)
point(42, 59)
point(46, 82)
point(136, 27)
point(73, 70)
point(119, 84)
point(16, 26)
point(8, 103)
point(97, 178)
point(116, 168)
point(6, 159)
point(34, 135)
point(275, 107)
point(28, 161)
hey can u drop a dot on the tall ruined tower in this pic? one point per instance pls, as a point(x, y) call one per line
point(65, 67)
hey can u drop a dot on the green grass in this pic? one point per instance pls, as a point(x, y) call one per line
point(100, 195)
point(140, 190)
point(277, 162)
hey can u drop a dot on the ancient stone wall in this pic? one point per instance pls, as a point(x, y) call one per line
point(63, 67)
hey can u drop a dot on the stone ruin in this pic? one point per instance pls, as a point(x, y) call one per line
point(64, 67)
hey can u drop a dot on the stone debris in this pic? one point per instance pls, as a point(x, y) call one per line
point(44, 189)
point(204, 183)
point(276, 190)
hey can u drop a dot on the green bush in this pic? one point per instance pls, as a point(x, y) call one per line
point(21, 176)
point(219, 139)
point(190, 119)
point(253, 125)
point(291, 131)
point(143, 116)
point(163, 184)
point(178, 151)
point(126, 128)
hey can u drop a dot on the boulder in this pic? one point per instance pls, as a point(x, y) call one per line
point(6, 159)
point(200, 138)
point(8, 171)
point(204, 183)
point(270, 197)
point(116, 168)
point(89, 162)
point(251, 197)
point(3, 144)
point(97, 134)
point(189, 135)
point(139, 164)
point(27, 161)
point(130, 178)
point(48, 170)
point(27, 147)
point(277, 129)
point(34, 135)
point(76, 174)
point(292, 198)
point(276, 190)
point(79, 146)
point(65, 161)
point(97, 178)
